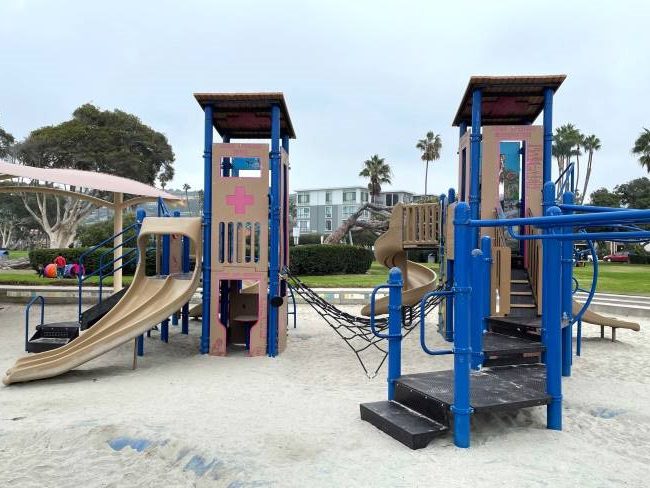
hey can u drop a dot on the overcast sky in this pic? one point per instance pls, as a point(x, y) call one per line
point(360, 77)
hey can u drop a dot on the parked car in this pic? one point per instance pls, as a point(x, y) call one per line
point(617, 257)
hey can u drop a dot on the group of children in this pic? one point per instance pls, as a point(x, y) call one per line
point(63, 269)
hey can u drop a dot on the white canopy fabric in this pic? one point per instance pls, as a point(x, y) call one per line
point(84, 179)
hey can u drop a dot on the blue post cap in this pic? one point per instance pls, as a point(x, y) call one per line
point(553, 211)
point(395, 276)
point(176, 213)
point(568, 197)
point(140, 214)
point(462, 213)
point(452, 195)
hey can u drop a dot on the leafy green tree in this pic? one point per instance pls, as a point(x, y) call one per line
point(6, 143)
point(430, 147)
point(641, 149)
point(635, 193)
point(113, 142)
point(602, 197)
point(590, 144)
point(378, 172)
point(90, 235)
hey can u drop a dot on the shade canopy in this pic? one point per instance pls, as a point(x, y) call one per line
point(84, 179)
point(246, 115)
point(507, 100)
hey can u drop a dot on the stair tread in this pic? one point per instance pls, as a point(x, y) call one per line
point(519, 282)
point(522, 305)
point(403, 424)
point(522, 293)
point(495, 343)
point(491, 389)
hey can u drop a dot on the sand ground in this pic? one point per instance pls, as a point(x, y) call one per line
point(181, 419)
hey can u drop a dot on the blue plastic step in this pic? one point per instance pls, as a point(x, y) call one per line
point(401, 423)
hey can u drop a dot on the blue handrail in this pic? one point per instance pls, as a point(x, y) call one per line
point(29, 306)
point(594, 282)
point(431, 294)
point(293, 300)
point(373, 329)
point(565, 182)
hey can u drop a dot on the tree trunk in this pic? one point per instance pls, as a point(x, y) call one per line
point(378, 226)
point(68, 216)
point(587, 176)
point(426, 177)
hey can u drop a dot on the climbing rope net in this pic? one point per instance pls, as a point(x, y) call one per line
point(371, 351)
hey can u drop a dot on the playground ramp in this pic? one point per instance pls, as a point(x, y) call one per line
point(148, 301)
point(595, 318)
point(389, 250)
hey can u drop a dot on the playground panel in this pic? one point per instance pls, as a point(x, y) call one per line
point(240, 236)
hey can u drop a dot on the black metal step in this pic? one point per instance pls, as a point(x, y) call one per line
point(401, 423)
point(520, 287)
point(495, 344)
point(93, 314)
point(522, 299)
point(52, 336)
point(518, 274)
point(491, 389)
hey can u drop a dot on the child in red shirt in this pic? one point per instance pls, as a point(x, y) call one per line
point(60, 265)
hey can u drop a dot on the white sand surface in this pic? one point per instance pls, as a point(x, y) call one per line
point(182, 419)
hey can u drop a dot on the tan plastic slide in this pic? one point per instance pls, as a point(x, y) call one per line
point(597, 319)
point(389, 250)
point(148, 301)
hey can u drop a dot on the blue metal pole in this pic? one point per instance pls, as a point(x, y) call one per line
point(207, 231)
point(486, 247)
point(548, 135)
point(164, 270)
point(441, 258)
point(476, 311)
point(567, 295)
point(140, 215)
point(185, 311)
point(475, 165)
point(462, 350)
point(551, 325)
point(175, 213)
point(224, 286)
point(449, 304)
point(274, 261)
point(394, 329)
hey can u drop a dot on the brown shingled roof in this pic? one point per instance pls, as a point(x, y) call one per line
point(246, 115)
point(507, 100)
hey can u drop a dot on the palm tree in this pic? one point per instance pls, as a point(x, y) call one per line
point(430, 147)
point(642, 149)
point(377, 171)
point(590, 144)
point(566, 143)
point(186, 187)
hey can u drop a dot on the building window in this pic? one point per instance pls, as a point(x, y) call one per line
point(303, 225)
point(328, 212)
point(349, 196)
point(348, 210)
point(364, 197)
point(328, 197)
point(328, 225)
point(303, 198)
point(303, 212)
point(392, 199)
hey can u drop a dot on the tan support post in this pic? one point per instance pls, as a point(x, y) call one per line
point(118, 198)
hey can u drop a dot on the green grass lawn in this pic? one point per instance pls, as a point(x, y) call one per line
point(18, 254)
point(29, 277)
point(627, 279)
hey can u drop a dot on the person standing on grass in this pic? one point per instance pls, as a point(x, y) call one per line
point(60, 265)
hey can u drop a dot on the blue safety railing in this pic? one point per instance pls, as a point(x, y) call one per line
point(470, 304)
point(106, 269)
point(423, 303)
point(29, 306)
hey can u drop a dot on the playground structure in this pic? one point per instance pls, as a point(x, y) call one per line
point(247, 307)
point(507, 272)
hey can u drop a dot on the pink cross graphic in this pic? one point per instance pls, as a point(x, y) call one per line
point(240, 200)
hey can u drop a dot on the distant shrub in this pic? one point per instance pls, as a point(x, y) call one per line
point(306, 239)
point(330, 259)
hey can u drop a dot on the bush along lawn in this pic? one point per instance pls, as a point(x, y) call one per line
point(376, 275)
